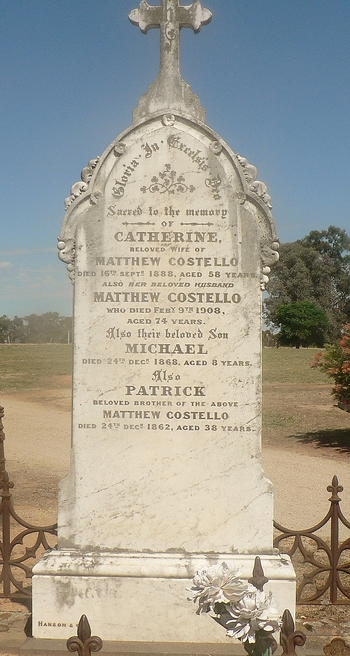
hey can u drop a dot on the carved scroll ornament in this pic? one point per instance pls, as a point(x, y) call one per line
point(269, 257)
point(66, 253)
point(250, 172)
point(269, 246)
point(79, 187)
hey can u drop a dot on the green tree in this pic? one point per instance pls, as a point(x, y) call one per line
point(301, 324)
point(316, 269)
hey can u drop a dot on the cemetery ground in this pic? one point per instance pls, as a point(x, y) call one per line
point(306, 440)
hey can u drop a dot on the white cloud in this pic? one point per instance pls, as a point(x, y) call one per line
point(5, 265)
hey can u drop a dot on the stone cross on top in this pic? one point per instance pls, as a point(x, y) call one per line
point(169, 87)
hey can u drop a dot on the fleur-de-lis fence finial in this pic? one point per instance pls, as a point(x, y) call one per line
point(84, 643)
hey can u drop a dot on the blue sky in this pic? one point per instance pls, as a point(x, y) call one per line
point(273, 75)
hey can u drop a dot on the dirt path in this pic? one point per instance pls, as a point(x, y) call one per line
point(298, 420)
point(37, 427)
point(37, 451)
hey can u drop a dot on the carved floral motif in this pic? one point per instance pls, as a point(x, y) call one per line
point(241, 197)
point(119, 149)
point(216, 147)
point(169, 181)
point(169, 119)
point(214, 185)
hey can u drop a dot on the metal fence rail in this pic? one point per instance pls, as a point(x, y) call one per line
point(18, 551)
point(84, 643)
point(327, 575)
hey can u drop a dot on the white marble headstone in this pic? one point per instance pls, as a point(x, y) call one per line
point(168, 237)
point(167, 356)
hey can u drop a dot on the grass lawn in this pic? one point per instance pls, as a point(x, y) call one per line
point(34, 366)
point(37, 366)
point(298, 404)
point(290, 365)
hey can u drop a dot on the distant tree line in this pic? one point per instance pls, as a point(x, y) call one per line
point(308, 299)
point(36, 329)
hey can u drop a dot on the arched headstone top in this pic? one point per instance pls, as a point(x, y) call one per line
point(173, 144)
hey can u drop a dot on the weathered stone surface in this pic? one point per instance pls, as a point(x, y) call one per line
point(169, 239)
point(169, 90)
point(169, 244)
point(167, 350)
point(137, 597)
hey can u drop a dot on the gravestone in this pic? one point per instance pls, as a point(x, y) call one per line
point(168, 239)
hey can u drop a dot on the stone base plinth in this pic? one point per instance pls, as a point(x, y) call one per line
point(139, 597)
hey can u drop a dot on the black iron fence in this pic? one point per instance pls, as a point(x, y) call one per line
point(84, 643)
point(322, 563)
point(21, 543)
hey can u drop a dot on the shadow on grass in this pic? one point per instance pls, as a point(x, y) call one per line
point(336, 438)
